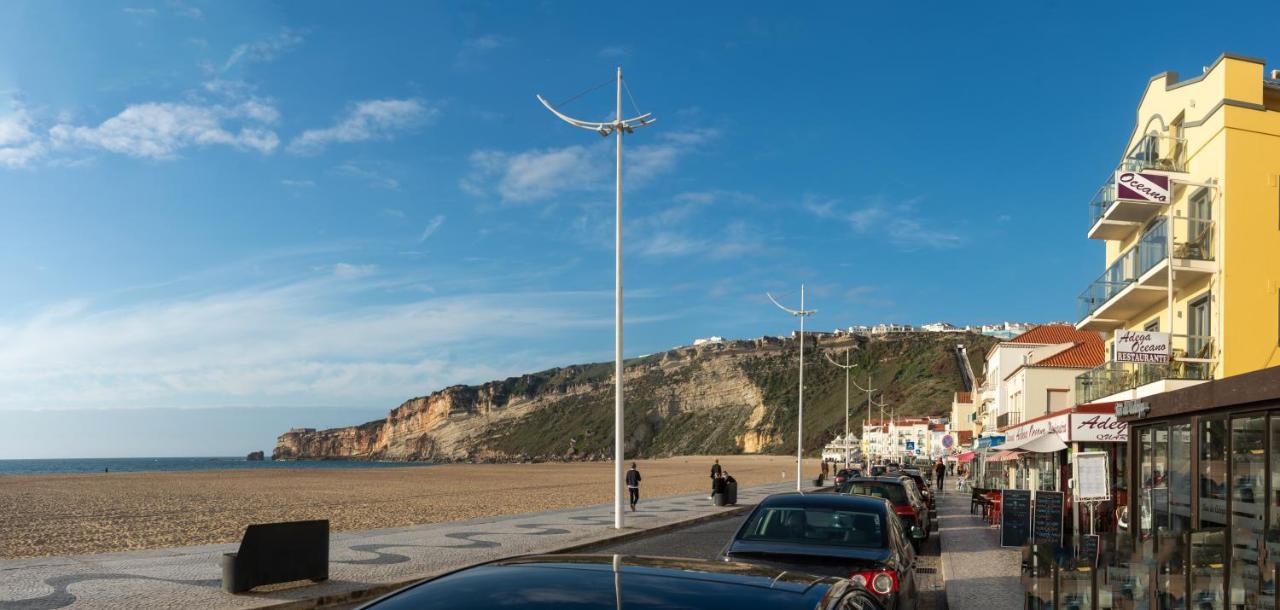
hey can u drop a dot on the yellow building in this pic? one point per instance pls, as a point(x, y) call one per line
point(1191, 222)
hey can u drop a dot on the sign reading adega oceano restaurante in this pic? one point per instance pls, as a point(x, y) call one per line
point(1141, 346)
point(1137, 186)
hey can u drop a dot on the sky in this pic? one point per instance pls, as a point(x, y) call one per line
point(315, 211)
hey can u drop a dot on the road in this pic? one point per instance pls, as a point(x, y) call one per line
point(705, 540)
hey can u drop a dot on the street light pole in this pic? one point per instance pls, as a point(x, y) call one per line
point(801, 313)
point(617, 127)
point(869, 390)
point(847, 367)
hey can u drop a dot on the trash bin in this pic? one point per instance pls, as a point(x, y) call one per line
point(731, 493)
point(818, 481)
point(720, 498)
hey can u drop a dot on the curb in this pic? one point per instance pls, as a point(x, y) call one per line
point(373, 592)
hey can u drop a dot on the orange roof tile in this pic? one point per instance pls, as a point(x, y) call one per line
point(1085, 354)
point(1055, 333)
point(964, 397)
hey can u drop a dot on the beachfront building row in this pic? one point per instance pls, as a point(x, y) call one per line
point(1032, 374)
point(916, 437)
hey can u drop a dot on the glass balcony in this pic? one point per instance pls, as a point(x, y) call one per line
point(1157, 152)
point(1144, 265)
point(1115, 377)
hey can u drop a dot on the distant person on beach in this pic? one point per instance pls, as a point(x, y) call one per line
point(715, 472)
point(633, 485)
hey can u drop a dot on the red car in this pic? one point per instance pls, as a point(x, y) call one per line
point(907, 502)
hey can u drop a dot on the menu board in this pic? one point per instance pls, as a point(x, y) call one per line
point(1047, 517)
point(1015, 517)
point(1089, 551)
point(1093, 482)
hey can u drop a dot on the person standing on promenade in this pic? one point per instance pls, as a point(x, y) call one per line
point(715, 473)
point(633, 485)
point(939, 474)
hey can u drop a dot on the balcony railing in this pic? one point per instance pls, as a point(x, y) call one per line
point(1115, 377)
point(1102, 200)
point(1193, 239)
point(1156, 152)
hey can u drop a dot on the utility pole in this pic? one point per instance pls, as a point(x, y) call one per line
point(801, 313)
point(617, 126)
point(847, 367)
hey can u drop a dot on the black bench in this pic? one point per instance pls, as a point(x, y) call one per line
point(272, 553)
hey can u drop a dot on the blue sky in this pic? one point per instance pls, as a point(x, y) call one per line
point(305, 205)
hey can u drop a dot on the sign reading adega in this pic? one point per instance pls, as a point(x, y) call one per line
point(1141, 346)
point(1137, 186)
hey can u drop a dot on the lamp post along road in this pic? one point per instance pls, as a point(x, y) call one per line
point(617, 126)
point(847, 367)
point(801, 313)
point(868, 390)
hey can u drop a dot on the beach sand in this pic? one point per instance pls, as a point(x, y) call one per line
point(96, 513)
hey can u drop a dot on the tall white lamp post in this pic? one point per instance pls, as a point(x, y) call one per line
point(801, 313)
point(847, 367)
point(617, 126)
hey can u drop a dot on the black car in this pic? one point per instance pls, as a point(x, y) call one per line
point(614, 581)
point(844, 474)
point(854, 537)
point(907, 502)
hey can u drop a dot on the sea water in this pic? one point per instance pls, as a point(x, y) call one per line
point(86, 465)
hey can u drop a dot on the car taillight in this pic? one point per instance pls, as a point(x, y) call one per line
point(882, 582)
point(904, 511)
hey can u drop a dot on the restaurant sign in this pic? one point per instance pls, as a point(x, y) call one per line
point(1132, 408)
point(1141, 346)
point(1137, 186)
point(1073, 428)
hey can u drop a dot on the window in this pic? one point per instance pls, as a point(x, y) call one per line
point(1248, 498)
point(817, 526)
point(1213, 472)
point(1152, 326)
point(1180, 477)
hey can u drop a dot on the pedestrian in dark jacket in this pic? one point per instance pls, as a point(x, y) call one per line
point(940, 474)
point(633, 485)
point(715, 473)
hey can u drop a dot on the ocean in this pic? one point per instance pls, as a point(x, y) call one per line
point(83, 465)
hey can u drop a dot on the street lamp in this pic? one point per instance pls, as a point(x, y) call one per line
point(801, 313)
point(847, 367)
point(617, 126)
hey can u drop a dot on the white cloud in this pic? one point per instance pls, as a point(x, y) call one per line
point(431, 228)
point(19, 144)
point(375, 178)
point(898, 222)
point(318, 341)
point(348, 270)
point(367, 120)
point(540, 174)
point(160, 130)
point(473, 49)
point(265, 50)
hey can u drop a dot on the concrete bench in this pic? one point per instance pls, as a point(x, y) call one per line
point(272, 553)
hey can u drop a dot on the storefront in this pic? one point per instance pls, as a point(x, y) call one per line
point(1038, 455)
point(1206, 507)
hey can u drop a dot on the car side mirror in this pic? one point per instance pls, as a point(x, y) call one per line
point(917, 532)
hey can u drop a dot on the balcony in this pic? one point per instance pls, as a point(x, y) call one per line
point(1139, 278)
point(1115, 218)
point(1191, 363)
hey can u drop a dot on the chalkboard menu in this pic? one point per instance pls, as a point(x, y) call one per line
point(1015, 517)
point(1047, 517)
point(1088, 552)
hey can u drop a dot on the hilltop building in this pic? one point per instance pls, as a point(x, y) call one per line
point(1032, 374)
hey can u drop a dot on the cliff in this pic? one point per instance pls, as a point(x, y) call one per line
point(732, 397)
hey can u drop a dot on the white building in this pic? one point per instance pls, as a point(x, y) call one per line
point(706, 340)
point(896, 439)
point(842, 448)
point(1033, 372)
point(941, 327)
point(884, 329)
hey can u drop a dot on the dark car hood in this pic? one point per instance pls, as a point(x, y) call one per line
point(819, 559)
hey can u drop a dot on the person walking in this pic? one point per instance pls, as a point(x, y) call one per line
point(633, 485)
point(940, 474)
point(715, 473)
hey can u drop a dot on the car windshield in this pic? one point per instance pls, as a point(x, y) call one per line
point(816, 526)
point(890, 491)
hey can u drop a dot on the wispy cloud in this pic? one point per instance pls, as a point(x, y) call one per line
point(20, 146)
point(314, 340)
point(431, 228)
point(160, 130)
point(300, 184)
point(374, 178)
point(611, 53)
point(541, 174)
point(367, 120)
point(348, 270)
point(139, 12)
point(264, 50)
point(474, 49)
point(899, 222)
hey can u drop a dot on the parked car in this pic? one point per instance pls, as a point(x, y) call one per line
point(574, 582)
point(855, 537)
point(907, 502)
point(926, 490)
point(844, 474)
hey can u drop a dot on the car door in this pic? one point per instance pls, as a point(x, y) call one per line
point(906, 554)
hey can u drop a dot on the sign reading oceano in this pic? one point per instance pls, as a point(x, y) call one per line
point(1136, 186)
point(1141, 346)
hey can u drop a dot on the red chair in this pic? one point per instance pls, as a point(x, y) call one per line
point(993, 515)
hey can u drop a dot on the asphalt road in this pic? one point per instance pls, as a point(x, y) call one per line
point(705, 540)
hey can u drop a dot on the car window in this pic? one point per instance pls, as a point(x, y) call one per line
point(912, 491)
point(894, 493)
point(816, 526)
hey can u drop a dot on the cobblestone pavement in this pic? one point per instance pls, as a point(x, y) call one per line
point(979, 574)
point(362, 564)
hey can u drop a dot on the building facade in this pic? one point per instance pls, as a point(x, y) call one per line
point(1190, 222)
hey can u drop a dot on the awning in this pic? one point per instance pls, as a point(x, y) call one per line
point(1048, 442)
point(1002, 456)
point(963, 457)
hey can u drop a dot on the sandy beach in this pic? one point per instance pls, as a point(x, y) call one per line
point(97, 513)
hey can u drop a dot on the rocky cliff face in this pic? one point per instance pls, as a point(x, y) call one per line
point(734, 397)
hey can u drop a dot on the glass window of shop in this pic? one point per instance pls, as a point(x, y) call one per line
point(1248, 499)
point(1213, 472)
point(1180, 477)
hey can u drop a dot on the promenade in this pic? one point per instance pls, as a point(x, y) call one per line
point(978, 572)
point(363, 564)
